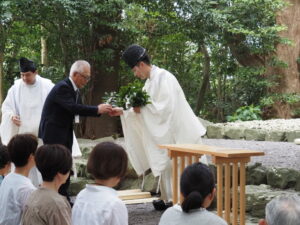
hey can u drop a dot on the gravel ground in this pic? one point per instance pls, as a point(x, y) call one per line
point(278, 154)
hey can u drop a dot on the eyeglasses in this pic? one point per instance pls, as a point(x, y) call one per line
point(86, 77)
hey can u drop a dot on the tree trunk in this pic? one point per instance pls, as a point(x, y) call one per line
point(205, 80)
point(44, 49)
point(1, 62)
point(289, 77)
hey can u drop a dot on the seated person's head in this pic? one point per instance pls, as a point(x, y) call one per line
point(21, 149)
point(281, 210)
point(4, 160)
point(54, 163)
point(197, 186)
point(107, 163)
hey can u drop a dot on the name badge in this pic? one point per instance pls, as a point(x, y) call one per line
point(76, 118)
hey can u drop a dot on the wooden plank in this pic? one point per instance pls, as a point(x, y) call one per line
point(216, 160)
point(140, 201)
point(211, 150)
point(136, 195)
point(122, 192)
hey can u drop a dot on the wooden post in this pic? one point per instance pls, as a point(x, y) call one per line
point(242, 193)
point(220, 189)
point(235, 194)
point(175, 179)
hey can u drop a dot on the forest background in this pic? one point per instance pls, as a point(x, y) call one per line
point(235, 59)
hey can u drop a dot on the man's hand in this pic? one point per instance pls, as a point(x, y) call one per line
point(16, 120)
point(116, 112)
point(137, 109)
point(104, 108)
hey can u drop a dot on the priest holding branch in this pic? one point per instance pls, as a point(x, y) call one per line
point(168, 119)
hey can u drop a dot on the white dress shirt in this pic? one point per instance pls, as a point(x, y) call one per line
point(14, 191)
point(99, 205)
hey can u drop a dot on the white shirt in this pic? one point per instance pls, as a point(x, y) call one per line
point(99, 205)
point(14, 191)
point(176, 216)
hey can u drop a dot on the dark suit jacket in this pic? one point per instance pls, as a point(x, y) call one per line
point(56, 126)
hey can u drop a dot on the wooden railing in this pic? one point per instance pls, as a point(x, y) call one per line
point(230, 161)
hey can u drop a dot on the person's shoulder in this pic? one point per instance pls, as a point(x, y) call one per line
point(46, 80)
point(215, 219)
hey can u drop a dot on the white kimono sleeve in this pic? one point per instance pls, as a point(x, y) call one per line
point(7, 128)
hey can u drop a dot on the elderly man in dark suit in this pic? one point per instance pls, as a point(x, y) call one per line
point(63, 106)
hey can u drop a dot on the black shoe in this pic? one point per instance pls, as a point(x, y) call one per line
point(160, 205)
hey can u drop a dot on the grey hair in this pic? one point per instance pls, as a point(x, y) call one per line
point(78, 66)
point(283, 209)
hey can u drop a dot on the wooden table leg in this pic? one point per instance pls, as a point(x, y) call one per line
point(220, 189)
point(175, 179)
point(227, 192)
point(242, 193)
point(235, 201)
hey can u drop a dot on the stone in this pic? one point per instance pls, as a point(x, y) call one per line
point(77, 185)
point(80, 164)
point(292, 135)
point(131, 172)
point(256, 174)
point(255, 134)
point(129, 183)
point(150, 183)
point(234, 133)
point(282, 177)
point(297, 141)
point(275, 136)
point(257, 196)
point(215, 132)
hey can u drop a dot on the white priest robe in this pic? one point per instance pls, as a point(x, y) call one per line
point(169, 119)
point(27, 102)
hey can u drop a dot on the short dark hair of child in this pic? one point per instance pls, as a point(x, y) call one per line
point(196, 182)
point(53, 159)
point(4, 156)
point(107, 160)
point(20, 147)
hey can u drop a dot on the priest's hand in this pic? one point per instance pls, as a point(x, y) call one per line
point(16, 120)
point(104, 108)
point(116, 112)
point(137, 109)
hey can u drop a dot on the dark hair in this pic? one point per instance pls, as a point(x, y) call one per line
point(53, 159)
point(4, 156)
point(107, 160)
point(196, 182)
point(20, 147)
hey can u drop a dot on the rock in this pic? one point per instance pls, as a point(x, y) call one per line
point(151, 183)
point(215, 132)
point(297, 141)
point(292, 135)
point(80, 164)
point(275, 136)
point(77, 185)
point(130, 183)
point(282, 177)
point(256, 174)
point(205, 123)
point(255, 134)
point(258, 196)
point(234, 133)
point(131, 172)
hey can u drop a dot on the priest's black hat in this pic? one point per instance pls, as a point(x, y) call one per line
point(134, 54)
point(26, 65)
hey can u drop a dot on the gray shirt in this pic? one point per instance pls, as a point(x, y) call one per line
point(46, 207)
point(175, 216)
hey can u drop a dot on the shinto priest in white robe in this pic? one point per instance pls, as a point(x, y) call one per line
point(169, 119)
point(27, 102)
